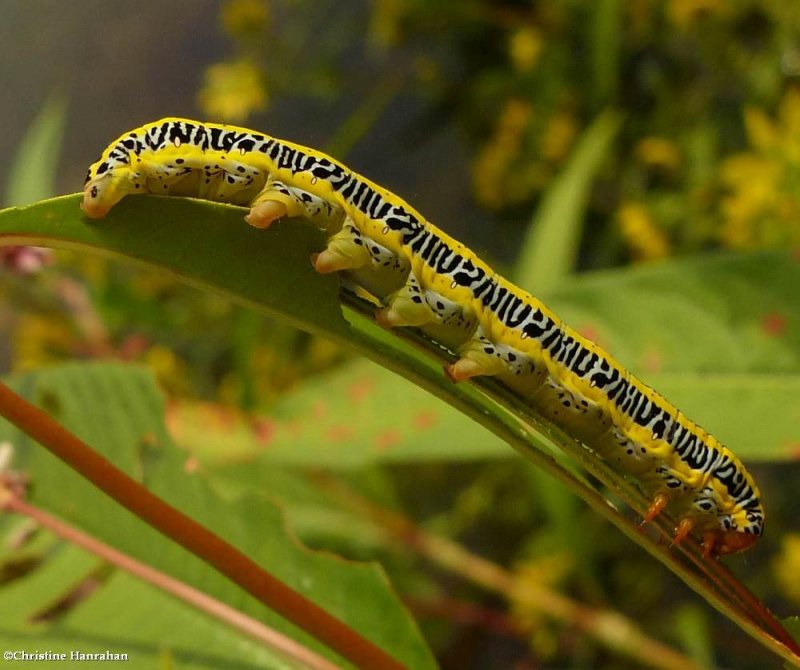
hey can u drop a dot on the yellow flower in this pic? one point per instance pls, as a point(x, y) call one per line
point(789, 121)
point(232, 91)
point(169, 369)
point(494, 162)
point(524, 47)
point(761, 132)
point(245, 18)
point(532, 578)
point(385, 26)
point(787, 566)
point(762, 200)
point(645, 240)
point(558, 136)
point(684, 13)
point(659, 153)
point(39, 340)
point(753, 184)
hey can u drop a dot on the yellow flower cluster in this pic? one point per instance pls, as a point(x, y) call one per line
point(385, 26)
point(761, 205)
point(658, 153)
point(558, 137)
point(645, 240)
point(524, 47)
point(169, 369)
point(41, 340)
point(786, 566)
point(508, 169)
point(685, 13)
point(533, 579)
point(245, 18)
point(233, 91)
point(491, 169)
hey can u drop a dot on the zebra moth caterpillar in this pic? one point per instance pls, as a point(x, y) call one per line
point(426, 279)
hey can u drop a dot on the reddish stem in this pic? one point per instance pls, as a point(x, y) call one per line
point(201, 601)
point(192, 536)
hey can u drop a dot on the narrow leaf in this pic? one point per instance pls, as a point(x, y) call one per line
point(551, 245)
point(33, 170)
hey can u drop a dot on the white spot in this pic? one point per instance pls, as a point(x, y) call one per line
point(453, 284)
point(176, 142)
point(385, 230)
point(6, 454)
point(242, 151)
point(524, 336)
point(313, 180)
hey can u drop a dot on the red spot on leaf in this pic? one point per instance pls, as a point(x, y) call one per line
point(387, 439)
point(191, 465)
point(360, 390)
point(225, 417)
point(293, 427)
point(590, 332)
point(773, 324)
point(792, 449)
point(171, 417)
point(133, 346)
point(424, 420)
point(794, 254)
point(319, 410)
point(339, 433)
point(652, 360)
point(264, 431)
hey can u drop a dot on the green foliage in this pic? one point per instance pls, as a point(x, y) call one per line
point(738, 376)
point(119, 411)
point(717, 334)
point(702, 154)
point(551, 247)
point(34, 169)
point(59, 222)
point(153, 629)
point(338, 420)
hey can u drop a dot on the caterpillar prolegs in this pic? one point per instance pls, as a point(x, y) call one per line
point(426, 279)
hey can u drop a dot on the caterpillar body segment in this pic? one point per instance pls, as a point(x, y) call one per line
point(425, 278)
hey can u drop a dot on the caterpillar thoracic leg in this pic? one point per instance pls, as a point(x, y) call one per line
point(277, 200)
point(346, 250)
point(406, 307)
point(424, 278)
point(683, 530)
point(660, 501)
point(264, 213)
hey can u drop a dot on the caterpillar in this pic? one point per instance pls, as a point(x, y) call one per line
point(423, 278)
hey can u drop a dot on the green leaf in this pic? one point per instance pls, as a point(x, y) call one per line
point(355, 415)
point(118, 410)
point(551, 244)
point(719, 336)
point(209, 247)
point(33, 170)
point(151, 628)
point(692, 628)
point(194, 240)
point(605, 38)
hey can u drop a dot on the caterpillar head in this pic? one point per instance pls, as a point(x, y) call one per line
point(722, 542)
point(105, 187)
point(735, 533)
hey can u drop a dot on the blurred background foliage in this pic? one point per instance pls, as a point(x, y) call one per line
point(470, 110)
